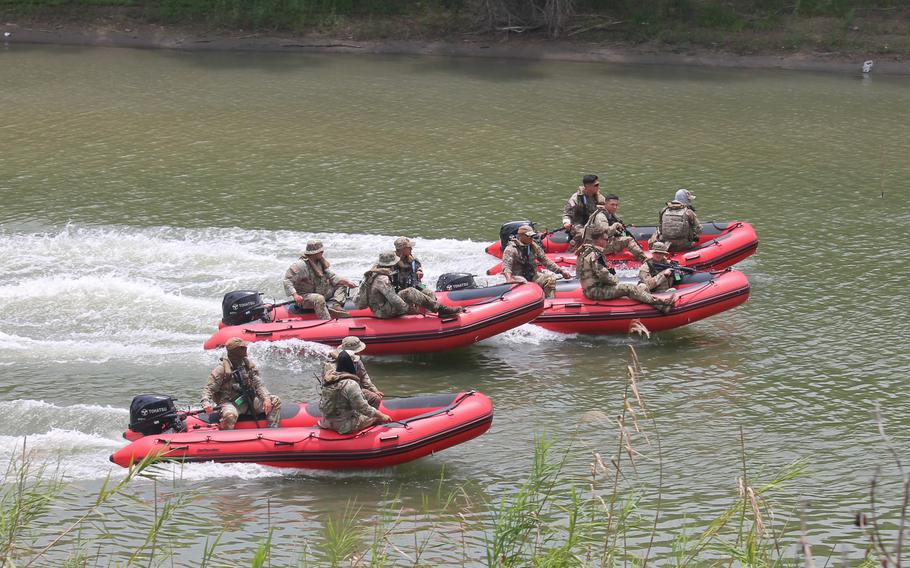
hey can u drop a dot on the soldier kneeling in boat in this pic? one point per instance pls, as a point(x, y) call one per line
point(599, 282)
point(378, 293)
point(520, 260)
point(343, 406)
point(236, 388)
point(312, 285)
point(652, 278)
point(352, 345)
point(678, 225)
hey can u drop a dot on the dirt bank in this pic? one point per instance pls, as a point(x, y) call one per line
point(150, 36)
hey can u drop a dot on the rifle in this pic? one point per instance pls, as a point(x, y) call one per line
point(678, 270)
point(246, 394)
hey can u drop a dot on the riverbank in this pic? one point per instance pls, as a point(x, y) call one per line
point(805, 45)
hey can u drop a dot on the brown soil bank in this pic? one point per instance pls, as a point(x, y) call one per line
point(737, 39)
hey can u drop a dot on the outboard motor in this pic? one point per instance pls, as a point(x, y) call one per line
point(508, 230)
point(242, 306)
point(155, 414)
point(455, 281)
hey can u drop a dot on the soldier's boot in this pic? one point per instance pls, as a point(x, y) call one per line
point(445, 310)
point(667, 305)
point(336, 311)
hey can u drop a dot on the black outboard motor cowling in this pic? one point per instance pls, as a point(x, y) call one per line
point(242, 306)
point(508, 230)
point(455, 281)
point(154, 414)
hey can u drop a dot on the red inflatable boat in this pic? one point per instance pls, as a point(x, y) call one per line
point(721, 245)
point(697, 297)
point(422, 425)
point(489, 311)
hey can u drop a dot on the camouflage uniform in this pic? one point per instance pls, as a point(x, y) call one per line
point(598, 283)
point(654, 279)
point(370, 392)
point(377, 293)
point(405, 276)
point(223, 390)
point(602, 221)
point(578, 210)
point(678, 227)
point(520, 262)
point(317, 284)
point(343, 406)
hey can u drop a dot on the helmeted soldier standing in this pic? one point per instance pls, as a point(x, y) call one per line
point(378, 293)
point(521, 257)
point(233, 383)
point(606, 220)
point(313, 285)
point(599, 282)
point(678, 225)
point(409, 272)
point(579, 208)
point(353, 345)
point(344, 408)
point(653, 278)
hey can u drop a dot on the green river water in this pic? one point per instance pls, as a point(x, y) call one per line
point(137, 187)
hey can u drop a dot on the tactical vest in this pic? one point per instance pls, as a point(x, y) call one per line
point(332, 402)
point(526, 254)
point(585, 206)
point(674, 224)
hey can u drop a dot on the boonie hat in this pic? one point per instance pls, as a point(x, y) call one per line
point(313, 247)
point(353, 344)
point(235, 343)
point(527, 230)
point(402, 242)
point(388, 258)
point(660, 247)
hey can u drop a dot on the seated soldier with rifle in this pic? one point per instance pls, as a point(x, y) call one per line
point(408, 272)
point(599, 282)
point(658, 274)
point(608, 221)
point(236, 388)
point(377, 293)
point(341, 401)
point(521, 257)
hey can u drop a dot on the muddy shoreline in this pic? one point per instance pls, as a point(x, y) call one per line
point(146, 36)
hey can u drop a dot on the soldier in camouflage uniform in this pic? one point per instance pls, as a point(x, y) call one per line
point(353, 345)
point(520, 259)
point(599, 282)
point(580, 207)
point(678, 225)
point(232, 383)
point(378, 293)
point(655, 279)
point(607, 220)
point(314, 286)
point(409, 272)
point(341, 401)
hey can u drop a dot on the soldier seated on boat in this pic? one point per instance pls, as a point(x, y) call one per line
point(378, 293)
point(313, 285)
point(236, 388)
point(520, 260)
point(579, 208)
point(599, 282)
point(353, 345)
point(341, 401)
point(652, 278)
point(408, 272)
point(678, 225)
point(608, 221)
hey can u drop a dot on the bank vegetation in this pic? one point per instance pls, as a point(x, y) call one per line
point(738, 26)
